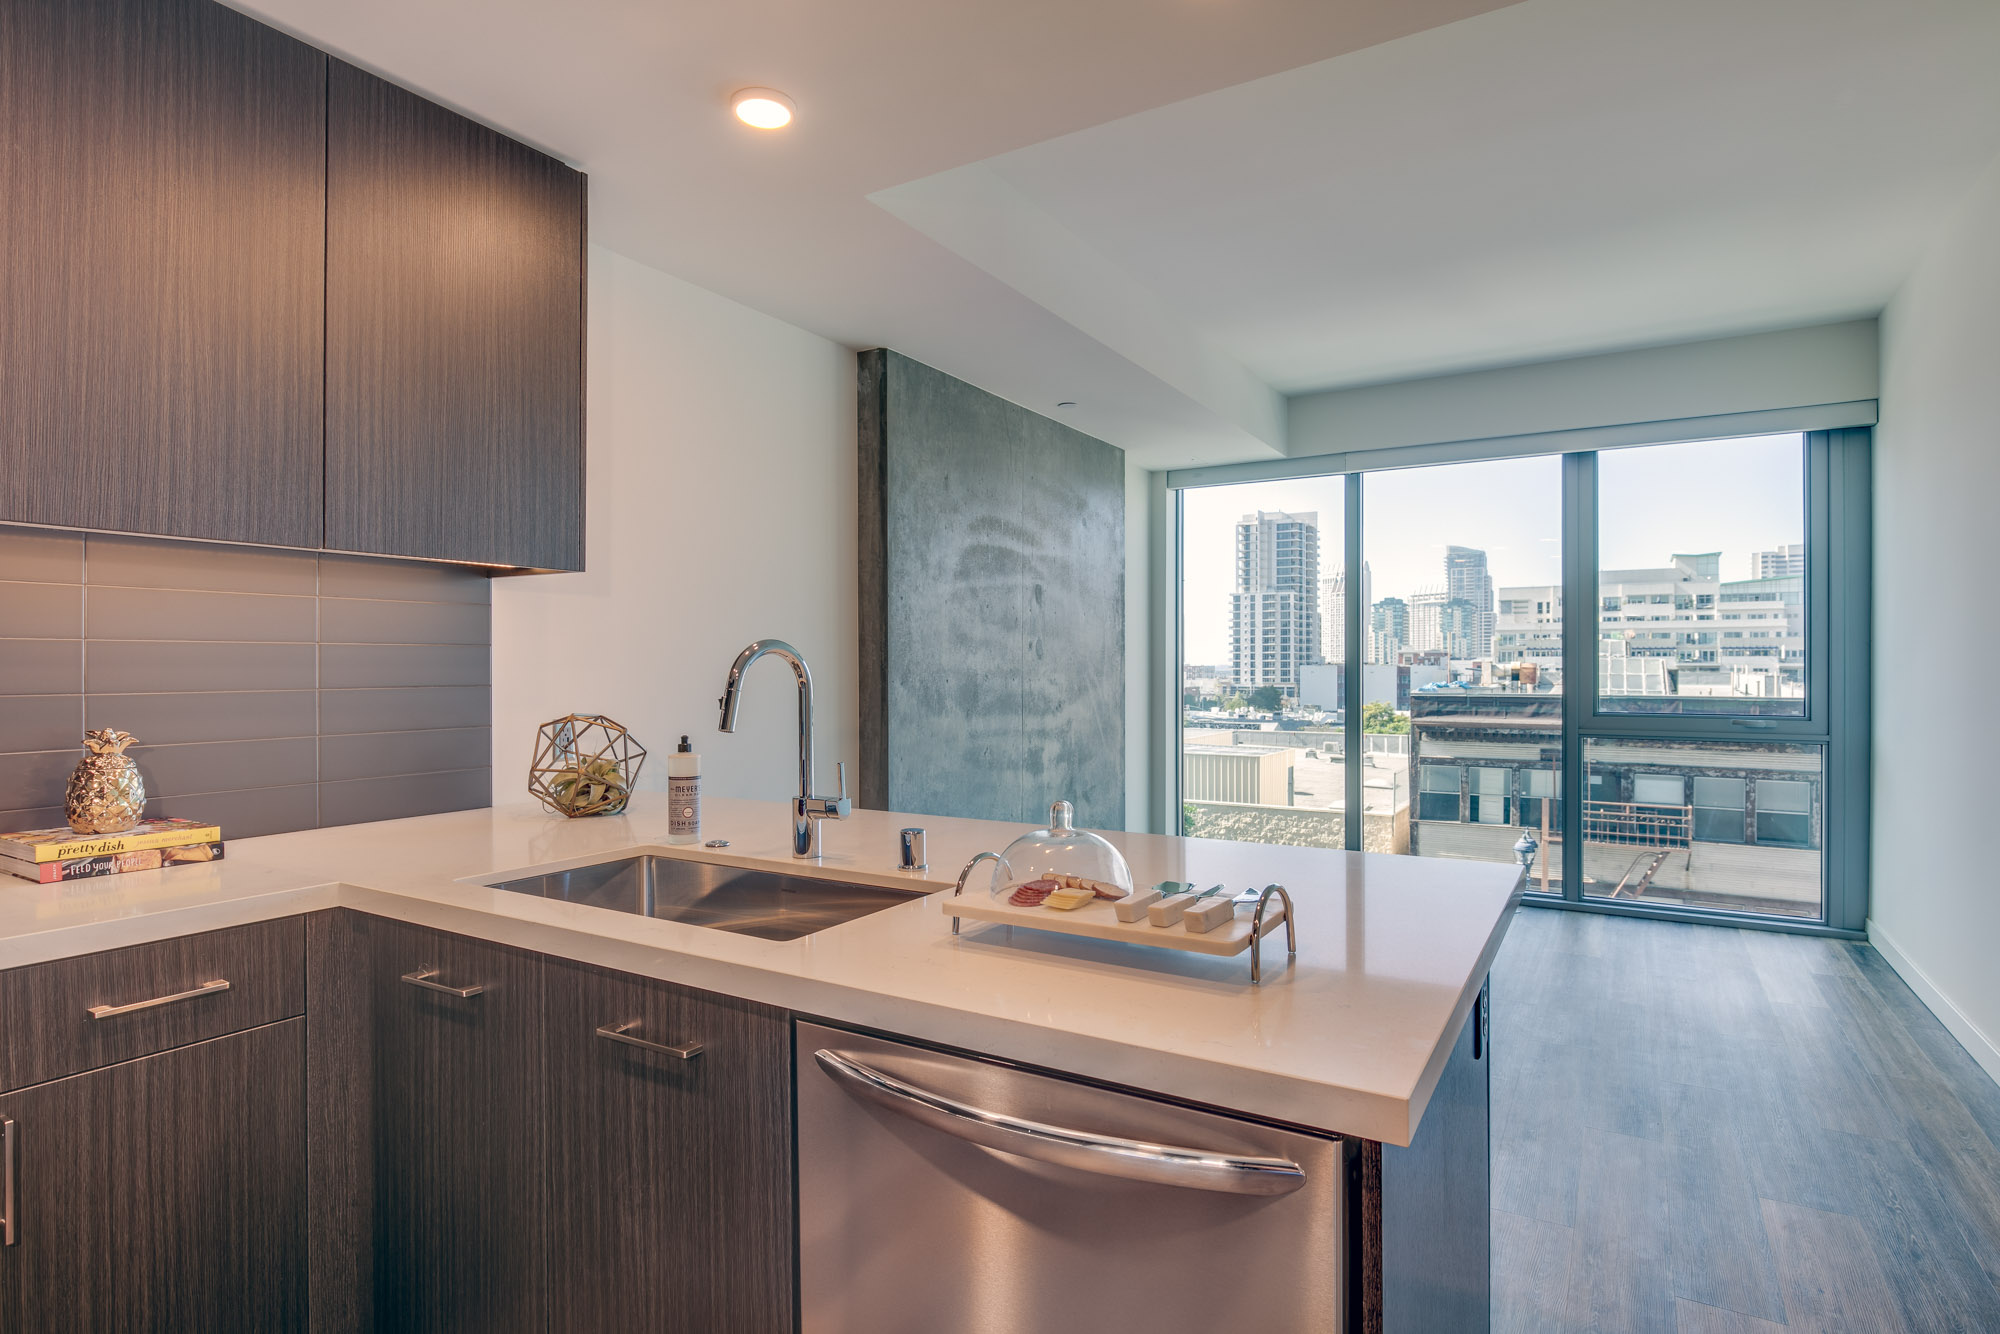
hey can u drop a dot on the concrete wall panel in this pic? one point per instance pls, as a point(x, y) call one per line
point(993, 604)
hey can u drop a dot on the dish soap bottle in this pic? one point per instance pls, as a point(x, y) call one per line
point(683, 795)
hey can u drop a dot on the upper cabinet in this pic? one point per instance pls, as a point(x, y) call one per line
point(454, 335)
point(163, 199)
point(253, 294)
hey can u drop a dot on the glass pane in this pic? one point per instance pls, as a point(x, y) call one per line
point(1784, 812)
point(1489, 794)
point(1464, 585)
point(1719, 810)
point(1439, 797)
point(1505, 744)
point(1659, 789)
point(1264, 758)
point(1701, 585)
point(1442, 778)
point(1726, 792)
point(1707, 854)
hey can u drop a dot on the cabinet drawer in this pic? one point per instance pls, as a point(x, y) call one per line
point(60, 1018)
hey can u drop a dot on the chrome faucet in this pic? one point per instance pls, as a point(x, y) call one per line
point(807, 810)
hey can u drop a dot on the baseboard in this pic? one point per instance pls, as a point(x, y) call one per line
point(1981, 1047)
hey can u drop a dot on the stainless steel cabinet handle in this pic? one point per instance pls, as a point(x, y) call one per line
point(686, 1051)
point(1107, 1155)
point(7, 1182)
point(113, 1011)
point(423, 978)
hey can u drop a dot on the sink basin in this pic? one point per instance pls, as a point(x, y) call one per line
point(769, 904)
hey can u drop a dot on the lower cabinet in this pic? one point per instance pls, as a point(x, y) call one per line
point(670, 1157)
point(160, 1195)
point(547, 1146)
point(458, 1234)
point(456, 1137)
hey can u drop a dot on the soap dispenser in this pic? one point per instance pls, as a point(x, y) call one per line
point(684, 795)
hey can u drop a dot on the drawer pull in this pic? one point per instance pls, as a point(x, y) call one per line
point(7, 1182)
point(423, 977)
point(686, 1051)
point(113, 1011)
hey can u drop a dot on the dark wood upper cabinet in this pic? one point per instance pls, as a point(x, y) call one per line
point(162, 196)
point(454, 368)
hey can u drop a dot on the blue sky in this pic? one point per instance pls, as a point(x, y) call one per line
point(1732, 496)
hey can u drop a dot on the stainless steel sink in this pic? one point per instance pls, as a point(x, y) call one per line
point(769, 904)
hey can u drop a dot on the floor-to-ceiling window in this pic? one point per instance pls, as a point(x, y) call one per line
point(1640, 672)
point(1703, 624)
point(1262, 755)
point(1464, 652)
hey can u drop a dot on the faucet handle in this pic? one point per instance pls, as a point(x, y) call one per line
point(840, 768)
point(829, 808)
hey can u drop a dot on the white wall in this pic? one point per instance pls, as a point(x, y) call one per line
point(721, 496)
point(1829, 363)
point(1936, 876)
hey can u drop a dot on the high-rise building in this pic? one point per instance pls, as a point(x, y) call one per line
point(1389, 629)
point(1441, 623)
point(1529, 627)
point(1683, 629)
point(1426, 627)
point(1333, 618)
point(1467, 580)
point(1274, 612)
point(1787, 562)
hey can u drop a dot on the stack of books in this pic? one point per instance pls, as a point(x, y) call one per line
point(48, 856)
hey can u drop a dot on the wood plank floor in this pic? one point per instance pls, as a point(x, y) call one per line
point(1699, 1129)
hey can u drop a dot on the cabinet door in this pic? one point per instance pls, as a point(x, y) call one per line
point(459, 1145)
point(162, 196)
point(163, 1195)
point(671, 1179)
point(1434, 1200)
point(454, 359)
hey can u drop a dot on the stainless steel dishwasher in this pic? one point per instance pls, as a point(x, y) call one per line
point(943, 1194)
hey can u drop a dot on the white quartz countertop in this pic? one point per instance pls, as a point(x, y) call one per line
point(1349, 1038)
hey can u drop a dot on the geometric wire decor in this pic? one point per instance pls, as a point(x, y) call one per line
point(585, 764)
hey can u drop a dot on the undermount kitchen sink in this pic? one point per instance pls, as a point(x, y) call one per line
point(769, 904)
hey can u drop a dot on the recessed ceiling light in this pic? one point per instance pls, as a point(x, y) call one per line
point(763, 108)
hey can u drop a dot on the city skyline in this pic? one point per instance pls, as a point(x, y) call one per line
point(1740, 497)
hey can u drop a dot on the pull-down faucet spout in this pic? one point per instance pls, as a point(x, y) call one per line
point(807, 809)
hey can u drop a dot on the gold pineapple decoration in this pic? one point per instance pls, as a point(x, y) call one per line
point(106, 794)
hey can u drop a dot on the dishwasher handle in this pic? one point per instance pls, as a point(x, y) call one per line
point(1106, 1155)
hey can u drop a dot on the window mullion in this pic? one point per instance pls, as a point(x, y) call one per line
point(1353, 656)
point(1579, 629)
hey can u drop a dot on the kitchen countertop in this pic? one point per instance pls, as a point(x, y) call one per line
point(1349, 1039)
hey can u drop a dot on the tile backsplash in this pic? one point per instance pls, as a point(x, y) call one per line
point(270, 690)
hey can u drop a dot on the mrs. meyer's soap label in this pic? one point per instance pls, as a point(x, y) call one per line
point(684, 807)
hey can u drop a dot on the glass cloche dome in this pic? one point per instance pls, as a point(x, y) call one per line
point(1061, 850)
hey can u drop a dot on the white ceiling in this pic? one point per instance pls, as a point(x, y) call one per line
point(1176, 211)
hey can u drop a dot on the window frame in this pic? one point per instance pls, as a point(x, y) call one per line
point(1838, 513)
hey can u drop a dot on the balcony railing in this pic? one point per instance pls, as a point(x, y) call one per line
point(1633, 825)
